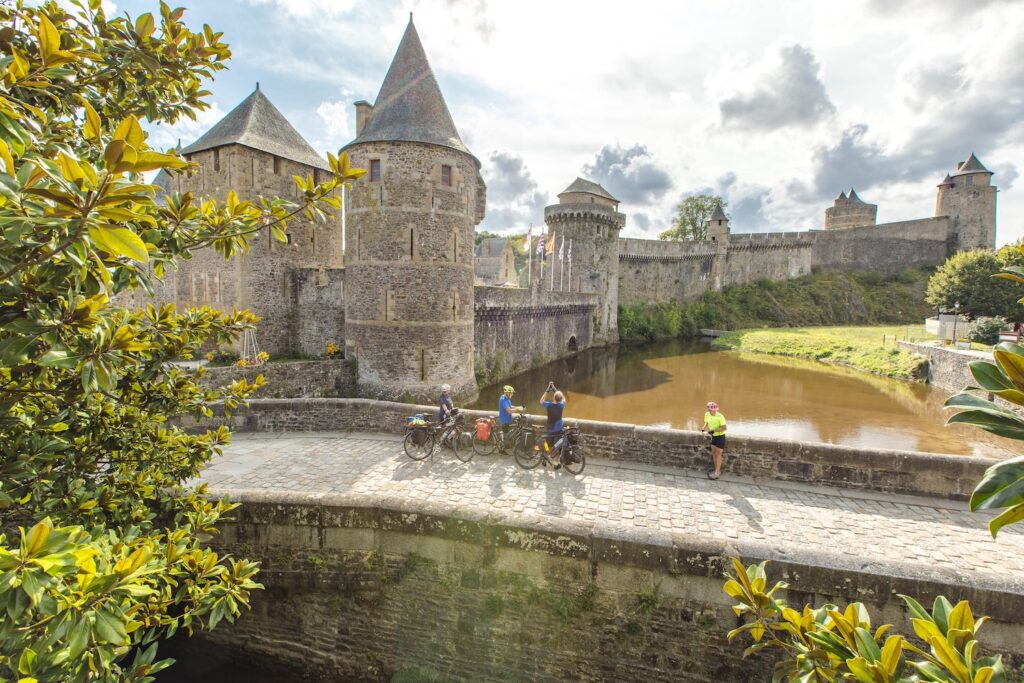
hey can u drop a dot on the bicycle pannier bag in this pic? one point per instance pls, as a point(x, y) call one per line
point(483, 429)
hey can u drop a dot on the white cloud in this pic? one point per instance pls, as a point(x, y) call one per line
point(185, 130)
point(334, 115)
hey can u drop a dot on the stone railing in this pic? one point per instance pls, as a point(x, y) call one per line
point(905, 472)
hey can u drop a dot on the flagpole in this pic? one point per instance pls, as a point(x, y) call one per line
point(529, 253)
point(551, 286)
point(561, 265)
point(570, 264)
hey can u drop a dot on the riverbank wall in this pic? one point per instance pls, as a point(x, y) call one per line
point(375, 590)
point(948, 368)
point(905, 472)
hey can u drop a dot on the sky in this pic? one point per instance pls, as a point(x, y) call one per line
point(776, 106)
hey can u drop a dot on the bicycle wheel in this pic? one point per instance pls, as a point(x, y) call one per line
point(574, 460)
point(463, 446)
point(525, 455)
point(485, 446)
point(419, 443)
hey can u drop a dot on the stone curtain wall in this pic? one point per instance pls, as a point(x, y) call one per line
point(653, 271)
point(319, 297)
point(948, 369)
point(362, 594)
point(889, 248)
point(518, 329)
point(905, 472)
point(303, 379)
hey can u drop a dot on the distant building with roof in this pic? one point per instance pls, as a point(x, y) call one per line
point(495, 262)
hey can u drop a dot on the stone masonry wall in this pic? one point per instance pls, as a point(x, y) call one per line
point(409, 270)
point(260, 280)
point(946, 476)
point(888, 248)
point(319, 297)
point(388, 593)
point(517, 329)
point(947, 368)
point(302, 379)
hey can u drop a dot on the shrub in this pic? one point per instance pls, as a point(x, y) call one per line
point(986, 330)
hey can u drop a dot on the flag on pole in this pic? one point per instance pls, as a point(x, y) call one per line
point(561, 250)
point(540, 246)
point(569, 253)
point(550, 248)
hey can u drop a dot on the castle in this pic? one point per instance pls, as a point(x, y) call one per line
point(397, 288)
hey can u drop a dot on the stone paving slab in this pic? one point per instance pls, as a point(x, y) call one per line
point(905, 536)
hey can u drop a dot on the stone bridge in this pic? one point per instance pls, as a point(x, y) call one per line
point(379, 568)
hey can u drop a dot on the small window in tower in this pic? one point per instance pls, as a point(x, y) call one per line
point(446, 175)
point(970, 180)
point(374, 170)
point(277, 165)
point(216, 160)
point(591, 200)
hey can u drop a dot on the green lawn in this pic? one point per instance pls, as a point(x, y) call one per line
point(857, 347)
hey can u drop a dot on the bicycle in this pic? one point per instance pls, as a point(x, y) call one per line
point(566, 451)
point(420, 440)
point(519, 435)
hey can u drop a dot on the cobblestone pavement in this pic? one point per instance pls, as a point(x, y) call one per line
point(877, 532)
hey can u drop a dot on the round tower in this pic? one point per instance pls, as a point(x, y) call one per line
point(410, 223)
point(718, 226)
point(969, 198)
point(587, 216)
point(850, 211)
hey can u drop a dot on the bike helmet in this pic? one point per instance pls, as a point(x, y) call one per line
point(509, 389)
point(446, 387)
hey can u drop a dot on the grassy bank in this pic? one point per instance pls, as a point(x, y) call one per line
point(857, 347)
point(811, 300)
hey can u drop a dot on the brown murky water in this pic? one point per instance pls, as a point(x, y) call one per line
point(668, 384)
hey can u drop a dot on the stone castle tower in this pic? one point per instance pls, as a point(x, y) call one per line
point(588, 215)
point(410, 224)
point(850, 211)
point(254, 151)
point(969, 198)
point(718, 226)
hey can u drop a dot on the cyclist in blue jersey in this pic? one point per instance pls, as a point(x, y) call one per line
point(505, 411)
point(554, 402)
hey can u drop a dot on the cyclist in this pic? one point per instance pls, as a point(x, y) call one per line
point(505, 410)
point(714, 423)
point(554, 402)
point(446, 403)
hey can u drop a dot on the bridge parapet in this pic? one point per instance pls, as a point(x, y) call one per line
point(903, 472)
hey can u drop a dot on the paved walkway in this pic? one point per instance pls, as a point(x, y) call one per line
point(889, 534)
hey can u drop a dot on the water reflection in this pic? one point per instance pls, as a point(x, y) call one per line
point(668, 384)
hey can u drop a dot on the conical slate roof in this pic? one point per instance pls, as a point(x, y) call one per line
point(590, 187)
point(841, 197)
point(718, 214)
point(854, 197)
point(410, 106)
point(972, 165)
point(257, 123)
point(946, 181)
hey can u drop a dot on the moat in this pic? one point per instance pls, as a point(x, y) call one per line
point(668, 383)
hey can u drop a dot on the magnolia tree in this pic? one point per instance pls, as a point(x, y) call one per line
point(101, 536)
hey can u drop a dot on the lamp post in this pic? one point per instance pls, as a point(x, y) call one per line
point(956, 316)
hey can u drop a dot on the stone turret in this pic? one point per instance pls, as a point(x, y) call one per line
point(718, 226)
point(254, 151)
point(409, 242)
point(588, 215)
point(969, 198)
point(850, 211)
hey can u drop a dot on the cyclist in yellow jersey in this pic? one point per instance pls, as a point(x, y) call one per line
point(714, 423)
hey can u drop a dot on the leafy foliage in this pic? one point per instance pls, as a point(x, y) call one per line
point(985, 330)
point(101, 535)
point(966, 279)
point(833, 644)
point(692, 214)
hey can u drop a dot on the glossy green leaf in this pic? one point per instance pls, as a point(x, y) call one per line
point(119, 242)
